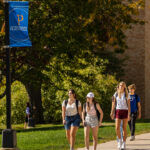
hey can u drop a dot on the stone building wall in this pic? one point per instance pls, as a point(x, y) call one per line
point(147, 59)
point(137, 64)
point(137, 68)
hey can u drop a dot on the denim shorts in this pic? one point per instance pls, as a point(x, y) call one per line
point(72, 121)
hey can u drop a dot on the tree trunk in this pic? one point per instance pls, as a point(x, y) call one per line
point(34, 93)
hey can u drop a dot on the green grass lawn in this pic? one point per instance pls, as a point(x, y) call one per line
point(52, 137)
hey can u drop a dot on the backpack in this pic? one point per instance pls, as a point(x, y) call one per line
point(77, 102)
point(97, 112)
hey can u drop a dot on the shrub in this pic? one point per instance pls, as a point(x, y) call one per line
point(19, 98)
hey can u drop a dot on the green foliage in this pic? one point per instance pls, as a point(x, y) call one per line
point(19, 99)
point(3, 112)
point(72, 40)
point(88, 76)
point(51, 106)
point(71, 27)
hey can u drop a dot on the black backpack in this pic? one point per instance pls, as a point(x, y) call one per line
point(77, 102)
point(97, 112)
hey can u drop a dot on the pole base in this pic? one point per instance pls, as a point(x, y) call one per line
point(9, 140)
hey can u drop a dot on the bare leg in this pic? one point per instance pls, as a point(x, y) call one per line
point(86, 136)
point(95, 136)
point(68, 135)
point(73, 132)
point(118, 121)
point(125, 122)
point(25, 125)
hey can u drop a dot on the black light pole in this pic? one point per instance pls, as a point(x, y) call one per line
point(8, 76)
point(8, 135)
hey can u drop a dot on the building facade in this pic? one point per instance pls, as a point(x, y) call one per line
point(137, 68)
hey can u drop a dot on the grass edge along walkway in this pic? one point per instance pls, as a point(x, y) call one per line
point(52, 137)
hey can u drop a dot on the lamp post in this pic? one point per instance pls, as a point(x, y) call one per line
point(8, 135)
point(8, 76)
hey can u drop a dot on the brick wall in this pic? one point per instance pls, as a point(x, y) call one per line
point(147, 59)
point(135, 70)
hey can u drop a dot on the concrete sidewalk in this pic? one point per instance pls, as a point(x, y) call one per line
point(142, 142)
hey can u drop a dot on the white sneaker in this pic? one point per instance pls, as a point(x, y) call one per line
point(123, 146)
point(119, 144)
point(132, 138)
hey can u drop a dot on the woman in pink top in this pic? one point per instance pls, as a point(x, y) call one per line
point(91, 119)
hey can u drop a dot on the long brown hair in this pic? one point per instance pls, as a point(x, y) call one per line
point(73, 92)
point(88, 106)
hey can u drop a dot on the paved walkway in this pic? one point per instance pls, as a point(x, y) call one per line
point(142, 142)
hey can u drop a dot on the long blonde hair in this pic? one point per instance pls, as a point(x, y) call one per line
point(125, 90)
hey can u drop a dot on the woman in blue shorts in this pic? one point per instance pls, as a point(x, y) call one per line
point(71, 116)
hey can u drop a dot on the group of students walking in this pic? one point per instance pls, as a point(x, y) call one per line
point(92, 116)
point(124, 110)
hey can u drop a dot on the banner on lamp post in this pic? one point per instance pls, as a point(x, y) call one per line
point(18, 24)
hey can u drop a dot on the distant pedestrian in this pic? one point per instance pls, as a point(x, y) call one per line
point(27, 115)
point(135, 109)
point(92, 117)
point(71, 116)
point(121, 105)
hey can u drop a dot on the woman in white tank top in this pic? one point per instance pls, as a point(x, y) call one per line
point(71, 116)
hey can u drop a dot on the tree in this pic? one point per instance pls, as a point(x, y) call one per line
point(69, 28)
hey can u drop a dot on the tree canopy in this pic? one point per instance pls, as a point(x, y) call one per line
point(64, 32)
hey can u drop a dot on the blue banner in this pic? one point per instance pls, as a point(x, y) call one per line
point(18, 24)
